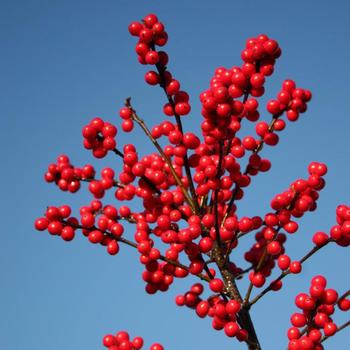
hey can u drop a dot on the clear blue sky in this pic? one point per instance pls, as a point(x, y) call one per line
point(64, 62)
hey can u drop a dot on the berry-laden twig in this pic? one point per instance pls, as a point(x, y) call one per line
point(188, 192)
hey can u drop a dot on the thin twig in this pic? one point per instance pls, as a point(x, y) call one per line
point(160, 150)
point(287, 272)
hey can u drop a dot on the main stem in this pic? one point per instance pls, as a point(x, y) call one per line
point(244, 318)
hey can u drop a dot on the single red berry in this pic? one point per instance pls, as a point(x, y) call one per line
point(298, 320)
point(202, 308)
point(231, 329)
point(273, 107)
point(109, 340)
point(41, 224)
point(152, 57)
point(67, 233)
point(330, 328)
point(295, 267)
point(216, 285)
point(233, 306)
point(135, 28)
point(156, 346)
point(320, 238)
point(182, 108)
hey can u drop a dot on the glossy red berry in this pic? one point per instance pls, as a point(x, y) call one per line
point(231, 329)
point(216, 285)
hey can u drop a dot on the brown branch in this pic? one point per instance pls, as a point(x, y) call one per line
point(134, 245)
point(161, 70)
point(143, 126)
point(286, 273)
point(216, 195)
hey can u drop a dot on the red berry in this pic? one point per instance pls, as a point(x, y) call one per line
point(298, 320)
point(216, 285)
point(274, 107)
point(233, 306)
point(182, 108)
point(202, 308)
point(295, 267)
point(109, 340)
point(231, 329)
point(283, 262)
point(330, 329)
point(152, 57)
point(41, 224)
point(135, 28)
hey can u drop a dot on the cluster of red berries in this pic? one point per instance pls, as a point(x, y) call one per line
point(151, 33)
point(293, 203)
point(221, 109)
point(340, 233)
point(66, 176)
point(98, 187)
point(223, 312)
point(99, 136)
point(101, 225)
point(158, 276)
point(122, 341)
point(57, 221)
point(291, 100)
point(69, 178)
point(316, 310)
point(188, 222)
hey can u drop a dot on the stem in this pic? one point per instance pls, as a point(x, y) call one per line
point(161, 70)
point(256, 151)
point(286, 273)
point(263, 257)
point(134, 245)
point(244, 318)
point(216, 196)
point(164, 156)
point(118, 153)
point(344, 295)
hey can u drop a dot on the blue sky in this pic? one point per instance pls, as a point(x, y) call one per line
point(64, 62)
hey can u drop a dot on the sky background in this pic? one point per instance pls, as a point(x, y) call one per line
point(64, 62)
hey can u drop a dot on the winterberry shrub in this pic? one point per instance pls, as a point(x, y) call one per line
point(189, 190)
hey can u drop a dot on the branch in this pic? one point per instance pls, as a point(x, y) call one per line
point(160, 150)
point(161, 69)
point(216, 196)
point(287, 272)
point(134, 245)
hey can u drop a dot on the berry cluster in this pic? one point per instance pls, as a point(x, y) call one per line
point(99, 136)
point(186, 221)
point(57, 221)
point(66, 176)
point(69, 178)
point(151, 33)
point(290, 99)
point(223, 312)
point(314, 322)
point(341, 233)
point(122, 341)
point(293, 203)
point(221, 108)
point(101, 225)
